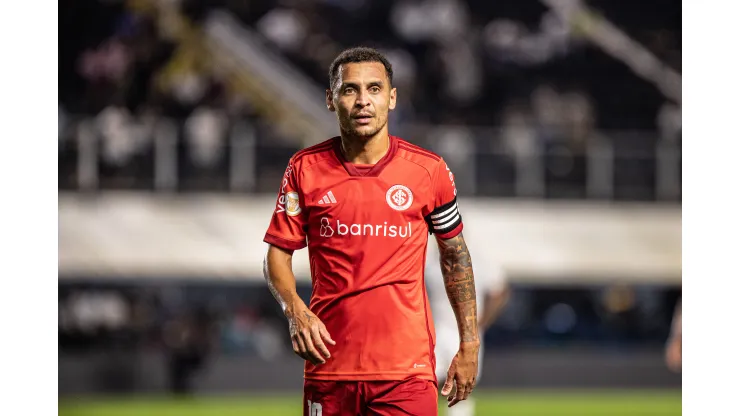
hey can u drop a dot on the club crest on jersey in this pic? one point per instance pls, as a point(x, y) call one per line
point(292, 206)
point(399, 197)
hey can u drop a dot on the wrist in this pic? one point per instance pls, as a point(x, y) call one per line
point(291, 305)
point(473, 344)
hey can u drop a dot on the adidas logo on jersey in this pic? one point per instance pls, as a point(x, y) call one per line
point(328, 199)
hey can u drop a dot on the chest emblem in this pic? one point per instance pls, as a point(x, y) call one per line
point(399, 197)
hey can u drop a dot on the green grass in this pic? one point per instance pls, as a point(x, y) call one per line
point(498, 403)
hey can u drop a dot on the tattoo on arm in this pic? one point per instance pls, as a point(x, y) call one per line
point(457, 270)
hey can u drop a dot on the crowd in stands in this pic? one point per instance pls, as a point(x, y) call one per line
point(463, 64)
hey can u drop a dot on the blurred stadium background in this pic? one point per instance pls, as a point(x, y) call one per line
point(561, 120)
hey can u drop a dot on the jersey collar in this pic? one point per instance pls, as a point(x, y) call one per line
point(377, 169)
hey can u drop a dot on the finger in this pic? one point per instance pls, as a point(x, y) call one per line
point(311, 352)
point(451, 396)
point(457, 398)
point(453, 400)
point(325, 336)
point(295, 345)
point(319, 343)
point(300, 345)
point(468, 390)
point(449, 382)
point(459, 394)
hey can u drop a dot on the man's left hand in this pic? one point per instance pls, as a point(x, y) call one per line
point(462, 373)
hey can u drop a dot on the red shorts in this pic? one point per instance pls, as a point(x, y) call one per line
point(412, 396)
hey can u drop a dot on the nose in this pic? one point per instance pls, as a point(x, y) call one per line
point(363, 99)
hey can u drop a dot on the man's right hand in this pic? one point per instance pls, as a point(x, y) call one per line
point(308, 335)
point(673, 353)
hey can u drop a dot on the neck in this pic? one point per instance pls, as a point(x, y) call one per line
point(365, 151)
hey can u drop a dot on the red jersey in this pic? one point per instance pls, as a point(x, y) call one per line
point(366, 232)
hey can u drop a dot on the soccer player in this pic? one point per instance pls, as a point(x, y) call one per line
point(364, 203)
point(492, 294)
point(673, 346)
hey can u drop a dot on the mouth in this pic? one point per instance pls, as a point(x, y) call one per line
point(362, 119)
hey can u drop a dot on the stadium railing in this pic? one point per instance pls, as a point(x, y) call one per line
point(488, 162)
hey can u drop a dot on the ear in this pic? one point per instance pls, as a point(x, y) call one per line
point(330, 101)
point(392, 103)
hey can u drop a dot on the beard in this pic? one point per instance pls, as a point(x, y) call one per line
point(363, 131)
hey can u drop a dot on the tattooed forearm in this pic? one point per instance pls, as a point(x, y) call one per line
point(457, 269)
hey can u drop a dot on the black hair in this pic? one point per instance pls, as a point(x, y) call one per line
point(356, 55)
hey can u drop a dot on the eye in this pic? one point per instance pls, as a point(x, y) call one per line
point(349, 90)
point(374, 89)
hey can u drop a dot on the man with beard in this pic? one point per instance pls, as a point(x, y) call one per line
point(364, 203)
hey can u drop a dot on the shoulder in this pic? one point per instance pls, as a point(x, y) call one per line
point(418, 155)
point(309, 156)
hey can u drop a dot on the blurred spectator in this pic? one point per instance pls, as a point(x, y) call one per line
point(501, 38)
point(579, 119)
point(404, 79)
point(92, 312)
point(184, 80)
point(285, 27)
point(107, 63)
point(547, 108)
point(456, 145)
point(519, 137)
point(669, 122)
point(429, 20)
point(205, 132)
point(508, 41)
point(464, 78)
point(118, 143)
point(189, 341)
point(404, 68)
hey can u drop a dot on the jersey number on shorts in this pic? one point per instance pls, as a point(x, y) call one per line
point(314, 409)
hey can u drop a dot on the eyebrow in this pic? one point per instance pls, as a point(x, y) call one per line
point(356, 86)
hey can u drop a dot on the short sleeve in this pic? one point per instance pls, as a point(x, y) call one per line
point(445, 220)
point(287, 227)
